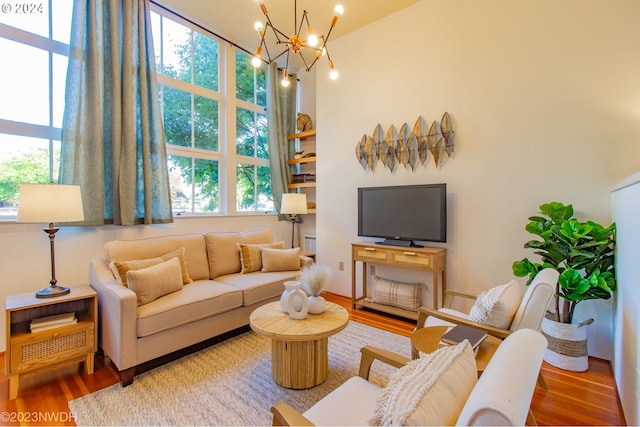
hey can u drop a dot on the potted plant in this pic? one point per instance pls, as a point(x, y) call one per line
point(583, 254)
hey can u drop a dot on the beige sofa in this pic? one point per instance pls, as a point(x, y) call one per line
point(217, 296)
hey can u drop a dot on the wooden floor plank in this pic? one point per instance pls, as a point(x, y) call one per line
point(584, 398)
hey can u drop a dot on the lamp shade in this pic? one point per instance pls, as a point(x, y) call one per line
point(50, 203)
point(293, 203)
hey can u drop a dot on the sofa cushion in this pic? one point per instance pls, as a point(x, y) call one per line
point(194, 245)
point(223, 252)
point(497, 306)
point(201, 299)
point(251, 257)
point(258, 287)
point(153, 282)
point(121, 268)
point(280, 259)
point(351, 404)
point(430, 390)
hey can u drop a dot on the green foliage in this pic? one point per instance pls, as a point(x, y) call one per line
point(582, 252)
point(25, 168)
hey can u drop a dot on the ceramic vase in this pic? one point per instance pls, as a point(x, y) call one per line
point(289, 286)
point(317, 304)
point(297, 304)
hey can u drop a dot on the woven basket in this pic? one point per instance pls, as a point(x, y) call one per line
point(566, 345)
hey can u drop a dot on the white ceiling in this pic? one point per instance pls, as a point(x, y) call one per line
point(234, 19)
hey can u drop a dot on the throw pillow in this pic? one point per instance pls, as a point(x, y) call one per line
point(430, 390)
point(153, 282)
point(397, 294)
point(497, 306)
point(251, 257)
point(280, 259)
point(120, 268)
point(223, 251)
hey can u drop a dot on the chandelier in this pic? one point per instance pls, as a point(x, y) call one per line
point(310, 50)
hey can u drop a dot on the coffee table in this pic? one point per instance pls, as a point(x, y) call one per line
point(299, 348)
point(427, 340)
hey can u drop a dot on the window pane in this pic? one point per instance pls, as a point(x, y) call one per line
point(245, 132)
point(206, 123)
point(61, 14)
point(262, 143)
point(207, 192)
point(205, 61)
point(176, 50)
point(195, 185)
point(28, 16)
point(24, 84)
point(253, 188)
point(261, 86)
point(157, 40)
point(22, 161)
point(177, 116)
point(59, 78)
point(245, 84)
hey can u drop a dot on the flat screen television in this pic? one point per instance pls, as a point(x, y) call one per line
point(403, 214)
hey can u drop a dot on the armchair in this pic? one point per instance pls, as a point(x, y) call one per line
point(529, 314)
point(502, 395)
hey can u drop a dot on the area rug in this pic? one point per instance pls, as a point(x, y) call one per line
point(229, 383)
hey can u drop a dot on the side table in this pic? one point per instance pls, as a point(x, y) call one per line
point(299, 348)
point(30, 352)
point(427, 340)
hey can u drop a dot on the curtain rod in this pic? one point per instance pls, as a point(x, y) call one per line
point(200, 26)
point(155, 3)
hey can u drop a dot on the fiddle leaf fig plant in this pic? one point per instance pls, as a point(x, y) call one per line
point(582, 252)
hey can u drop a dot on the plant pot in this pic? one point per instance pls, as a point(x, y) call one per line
point(317, 304)
point(566, 345)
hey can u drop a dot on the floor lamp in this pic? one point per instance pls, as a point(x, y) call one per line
point(293, 204)
point(50, 203)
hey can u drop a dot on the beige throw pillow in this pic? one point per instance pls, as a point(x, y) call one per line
point(120, 268)
point(223, 251)
point(497, 306)
point(153, 282)
point(397, 294)
point(430, 390)
point(280, 259)
point(251, 257)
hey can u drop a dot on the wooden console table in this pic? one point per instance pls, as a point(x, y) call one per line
point(428, 259)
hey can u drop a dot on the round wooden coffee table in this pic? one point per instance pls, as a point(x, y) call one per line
point(299, 348)
point(427, 340)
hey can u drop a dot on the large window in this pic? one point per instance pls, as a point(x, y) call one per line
point(213, 109)
point(34, 40)
point(215, 167)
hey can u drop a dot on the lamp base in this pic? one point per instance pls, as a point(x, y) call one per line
point(52, 291)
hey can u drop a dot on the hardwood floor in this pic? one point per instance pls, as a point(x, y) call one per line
point(585, 398)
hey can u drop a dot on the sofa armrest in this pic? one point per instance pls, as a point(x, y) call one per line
point(305, 261)
point(117, 315)
point(371, 354)
point(285, 415)
point(425, 312)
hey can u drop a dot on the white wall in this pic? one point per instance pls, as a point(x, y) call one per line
point(25, 261)
point(626, 354)
point(545, 100)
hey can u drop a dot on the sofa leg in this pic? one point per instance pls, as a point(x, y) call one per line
point(126, 376)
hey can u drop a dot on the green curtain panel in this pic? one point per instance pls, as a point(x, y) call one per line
point(113, 142)
point(281, 114)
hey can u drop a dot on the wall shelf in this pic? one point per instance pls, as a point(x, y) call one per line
point(310, 159)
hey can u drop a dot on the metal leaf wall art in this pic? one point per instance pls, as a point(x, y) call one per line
point(407, 147)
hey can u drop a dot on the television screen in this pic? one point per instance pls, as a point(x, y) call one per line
point(404, 213)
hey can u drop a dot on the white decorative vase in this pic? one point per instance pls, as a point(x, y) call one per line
point(566, 345)
point(289, 287)
point(297, 304)
point(317, 304)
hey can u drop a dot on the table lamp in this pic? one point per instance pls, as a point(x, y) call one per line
point(50, 203)
point(293, 204)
